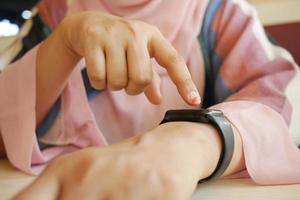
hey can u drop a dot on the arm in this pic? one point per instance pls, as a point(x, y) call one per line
point(2, 148)
point(54, 64)
point(88, 35)
point(169, 159)
point(202, 144)
point(248, 78)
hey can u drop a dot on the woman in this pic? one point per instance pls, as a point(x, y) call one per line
point(234, 67)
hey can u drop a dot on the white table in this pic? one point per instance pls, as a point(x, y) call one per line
point(12, 181)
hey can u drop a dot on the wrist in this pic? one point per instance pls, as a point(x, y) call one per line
point(197, 146)
point(63, 39)
point(70, 38)
point(2, 148)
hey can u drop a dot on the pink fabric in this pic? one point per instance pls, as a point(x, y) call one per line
point(271, 157)
point(52, 11)
point(17, 116)
point(259, 73)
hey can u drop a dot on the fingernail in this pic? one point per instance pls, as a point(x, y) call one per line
point(194, 98)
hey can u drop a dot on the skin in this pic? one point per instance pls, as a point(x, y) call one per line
point(164, 163)
point(2, 148)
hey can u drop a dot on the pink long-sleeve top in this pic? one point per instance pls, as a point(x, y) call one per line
point(234, 65)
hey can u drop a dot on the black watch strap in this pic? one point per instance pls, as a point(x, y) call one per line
point(224, 128)
point(218, 120)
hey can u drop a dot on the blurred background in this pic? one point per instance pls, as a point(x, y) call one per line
point(12, 15)
point(282, 20)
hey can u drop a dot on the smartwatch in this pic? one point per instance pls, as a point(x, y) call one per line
point(217, 119)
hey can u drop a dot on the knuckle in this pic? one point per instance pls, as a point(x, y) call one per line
point(89, 25)
point(142, 30)
point(97, 81)
point(142, 80)
point(120, 25)
point(135, 23)
point(130, 26)
point(91, 31)
point(109, 27)
point(117, 84)
point(96, 78)
point(131, 91)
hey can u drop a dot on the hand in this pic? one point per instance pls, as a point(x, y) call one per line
point(118, 51)
point(163, 164)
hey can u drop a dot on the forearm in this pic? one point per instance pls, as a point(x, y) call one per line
point(54, 64)
point(2, 149)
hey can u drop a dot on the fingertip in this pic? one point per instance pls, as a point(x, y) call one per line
point(153, 94)
point(154, 97)
point(157, 100)
point(194, 98)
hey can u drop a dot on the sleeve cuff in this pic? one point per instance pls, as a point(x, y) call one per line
point(270, 154)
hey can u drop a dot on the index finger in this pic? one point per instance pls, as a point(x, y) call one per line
point(167, 56)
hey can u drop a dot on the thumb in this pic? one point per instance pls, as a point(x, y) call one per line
point(44, 187)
